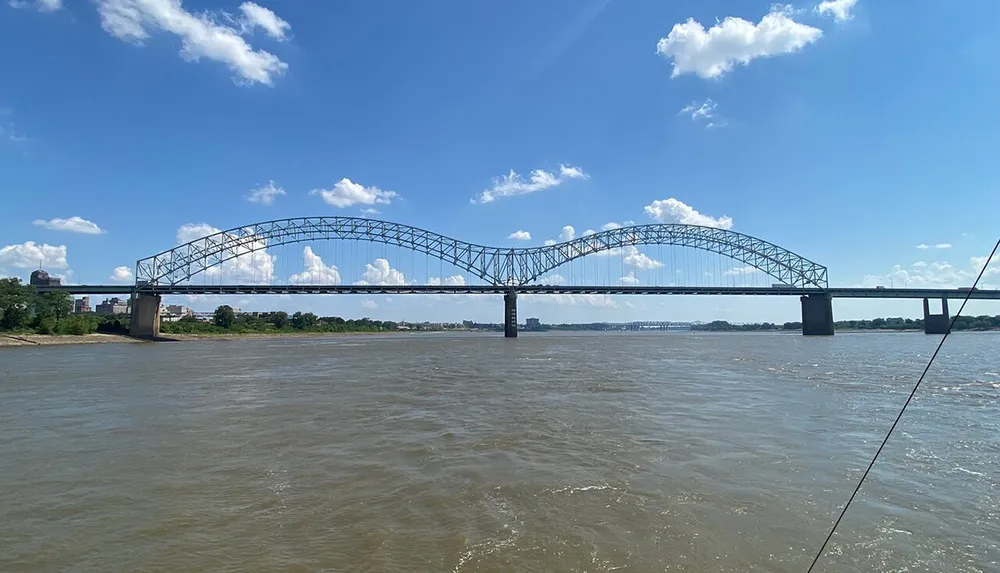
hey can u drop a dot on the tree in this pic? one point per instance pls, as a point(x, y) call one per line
point(302, 321)
point(56, 305)
point(16, 302)
point(224, 316)
point(280, 320)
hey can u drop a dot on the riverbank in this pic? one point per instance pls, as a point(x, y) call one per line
point(8, 340)
point(171, 337)
point(61, 339)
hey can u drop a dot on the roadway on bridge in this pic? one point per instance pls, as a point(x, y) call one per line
point(845, 292)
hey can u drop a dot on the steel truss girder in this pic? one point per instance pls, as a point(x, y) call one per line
point(496, 265)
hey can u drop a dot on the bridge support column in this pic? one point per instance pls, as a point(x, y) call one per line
point(817, 315)
point(145, 321)
point(510, 314)
point(936, 323)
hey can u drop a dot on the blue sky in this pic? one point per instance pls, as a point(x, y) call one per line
point(851, 132)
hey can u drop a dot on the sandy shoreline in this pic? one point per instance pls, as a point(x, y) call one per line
point(56, 340)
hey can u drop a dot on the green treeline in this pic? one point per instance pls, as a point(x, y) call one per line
point(226, 320)
point(982, 322)
point(23, 310)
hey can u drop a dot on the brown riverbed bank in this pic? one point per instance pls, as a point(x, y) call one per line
point(55, 340)
point(7, 340)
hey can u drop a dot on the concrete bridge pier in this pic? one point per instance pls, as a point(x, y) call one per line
point(817, 315)
point(145, 321)
point(510, 314)
point(936, 323)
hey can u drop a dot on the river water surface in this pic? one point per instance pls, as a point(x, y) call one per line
point(442, 453)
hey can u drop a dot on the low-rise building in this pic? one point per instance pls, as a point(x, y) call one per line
point(113, 306)
point(177, 310)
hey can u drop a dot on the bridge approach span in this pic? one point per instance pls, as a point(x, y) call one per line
point(255, 289)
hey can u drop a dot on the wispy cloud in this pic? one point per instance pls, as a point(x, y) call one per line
point(265, 195)
point(704, 112)
point(71, 225)
point(216, 36)
point(839, 9)
point(937, 246)
point(40, 5)
point(512, 184)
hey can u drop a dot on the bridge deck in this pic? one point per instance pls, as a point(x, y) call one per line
point(528, 289)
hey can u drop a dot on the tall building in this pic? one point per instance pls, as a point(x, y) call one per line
point(532, 324)
point(42, 278)
point(82, 305)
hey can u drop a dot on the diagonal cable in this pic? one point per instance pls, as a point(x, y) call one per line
point(899, 416)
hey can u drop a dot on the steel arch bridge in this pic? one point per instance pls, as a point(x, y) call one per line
point(501, 266)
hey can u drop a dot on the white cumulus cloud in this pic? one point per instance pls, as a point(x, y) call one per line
point(122, 274)
point(191, 231)
point(204, 35)
point(512, 184)
point(590, 300)
point(454, 280)
point(839, 9)
point(629, 279)
point(554, 279)
point(30, 255)
point(381, 273)
point(71, 225)
point(741, 271)
point(265, 195)
point(520, 236)
point(346, 193)
point(316, 272)
point(369, 304)
point(937, 274)
point(634, 258)
point(673, 211)
point(567, 233)
point(712, 53)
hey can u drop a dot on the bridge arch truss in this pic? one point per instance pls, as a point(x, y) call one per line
point(496, 265)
